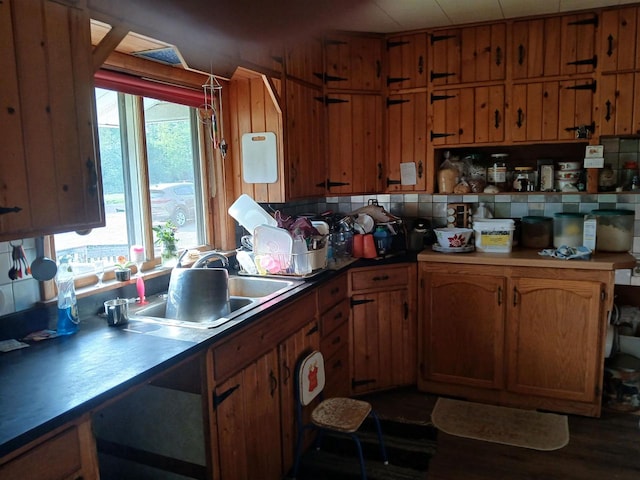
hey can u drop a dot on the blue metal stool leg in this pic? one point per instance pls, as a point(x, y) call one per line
point(363, 470)
point(383, 451)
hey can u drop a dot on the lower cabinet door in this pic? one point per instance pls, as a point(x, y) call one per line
point(553, 338)
point(463, 329)
point(248, 419)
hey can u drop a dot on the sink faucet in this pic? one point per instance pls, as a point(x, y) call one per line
point(209, 257)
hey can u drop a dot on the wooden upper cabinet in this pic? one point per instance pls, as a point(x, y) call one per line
point(407, 61)
point(619, 104)
point(406, 140)
point(468, 55)
point(618, 34)
point(353, 62)
point(467, 115)
point(49, 164)
point(305, 170)
point(563, 45)
point(553, 110)
point(303, 60)
point(354, 146)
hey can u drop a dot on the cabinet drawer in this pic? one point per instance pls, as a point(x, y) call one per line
point(331, 343)
point(337, 373)
point(333, 317)
point(232, 355)
point(332, 292)
point(379, 278)
point(55, 459)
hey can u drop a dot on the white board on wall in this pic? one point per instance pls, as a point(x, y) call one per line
point(259, 157)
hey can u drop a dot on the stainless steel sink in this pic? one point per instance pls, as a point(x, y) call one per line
point(245, 293)
point(257, 287)
point(155, 313)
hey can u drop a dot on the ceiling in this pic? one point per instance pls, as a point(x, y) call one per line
point(387, 16)
point(205, 31)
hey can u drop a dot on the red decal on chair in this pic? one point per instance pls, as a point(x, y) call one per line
point(313, 377)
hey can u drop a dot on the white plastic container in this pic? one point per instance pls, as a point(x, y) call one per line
point(249, 214)
point(494, 235)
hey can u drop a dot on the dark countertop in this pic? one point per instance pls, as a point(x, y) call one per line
point(57, 380)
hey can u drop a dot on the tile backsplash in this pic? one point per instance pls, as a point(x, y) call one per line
point(22, 293)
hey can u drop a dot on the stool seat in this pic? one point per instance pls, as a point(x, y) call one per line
point(341, 414)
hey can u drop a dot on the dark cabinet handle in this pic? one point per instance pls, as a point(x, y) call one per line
point(4, 210)
point(497, 118)
point(380, 278)
point(274, 383)
point(337, 316)
point(334, 290)
point(287, 374)
point(420, 169)
point(607, 117)
point(499, 296)
point(336, 340)
point(519, 121)
point(610, 42)
point(406, 310)
point(379, 171)
point(420, 65)
point(312, 330)
point(520, 54)
point(515, 296)
point(378, 69)
point(218, 399)
point(498, 56)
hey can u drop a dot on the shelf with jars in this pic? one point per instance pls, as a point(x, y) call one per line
point(542, 168)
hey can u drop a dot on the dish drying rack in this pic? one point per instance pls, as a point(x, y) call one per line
point(278, 264)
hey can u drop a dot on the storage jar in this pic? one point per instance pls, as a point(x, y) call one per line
point(537, 231)
point(494, 235)
point(614, 230)
point(567, 229)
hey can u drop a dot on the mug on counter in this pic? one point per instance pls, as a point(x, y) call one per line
point(117, 312)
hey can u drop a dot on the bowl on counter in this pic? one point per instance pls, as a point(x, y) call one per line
point(453, 237)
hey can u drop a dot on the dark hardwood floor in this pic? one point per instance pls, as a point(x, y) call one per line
point(599, 448)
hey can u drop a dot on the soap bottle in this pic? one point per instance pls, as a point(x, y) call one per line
point(68, 321)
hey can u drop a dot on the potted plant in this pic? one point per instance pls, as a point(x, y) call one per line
point(123, 269)
point(166, 238)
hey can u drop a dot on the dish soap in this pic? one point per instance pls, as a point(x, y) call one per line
point(68, 321)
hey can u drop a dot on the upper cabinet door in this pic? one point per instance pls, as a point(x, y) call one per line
point(554, 46)
point(353, 62)
point(303, 60)
point(407, 61)
point(305, 161)
point(467, 115)
point(354, 143)
point(48, 160)
point(467, 55)
point(618, 49)
point(406, 140)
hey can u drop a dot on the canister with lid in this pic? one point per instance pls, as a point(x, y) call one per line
point(567, 229)
point(537, 231)
point(524, 179)
point(497, 171)
point(614, 230)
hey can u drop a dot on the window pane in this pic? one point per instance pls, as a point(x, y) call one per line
point(172, 155)
point(112, 239)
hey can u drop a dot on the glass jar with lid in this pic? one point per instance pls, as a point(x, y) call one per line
point(536, 231)
point(524, 179)
point(497, 171)
point(567, 229)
